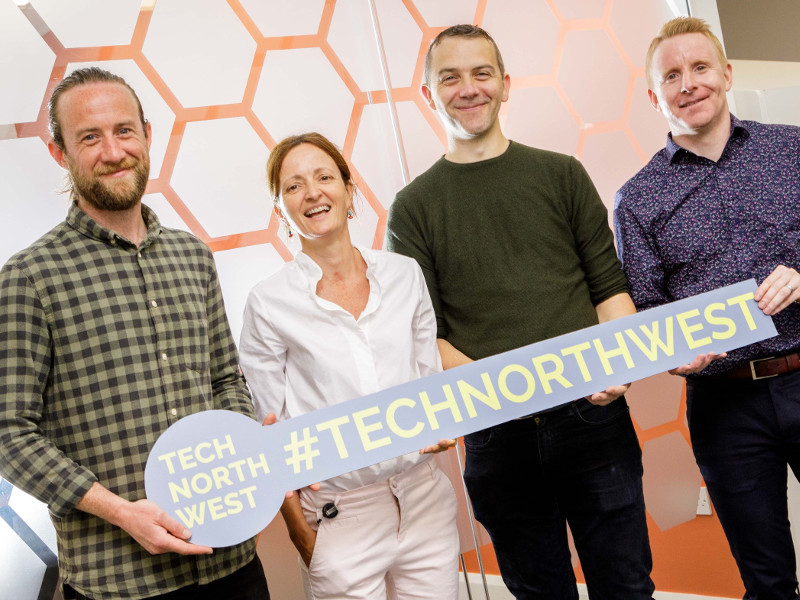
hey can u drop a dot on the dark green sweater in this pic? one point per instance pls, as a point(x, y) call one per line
point(515, 249)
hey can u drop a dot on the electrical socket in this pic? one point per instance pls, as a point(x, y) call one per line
point(703, 503)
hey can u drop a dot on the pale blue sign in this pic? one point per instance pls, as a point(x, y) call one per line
point(224, 476)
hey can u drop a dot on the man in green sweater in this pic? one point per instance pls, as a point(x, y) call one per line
point(515, 246)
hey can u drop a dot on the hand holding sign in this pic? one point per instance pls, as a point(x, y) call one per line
point(224, 476)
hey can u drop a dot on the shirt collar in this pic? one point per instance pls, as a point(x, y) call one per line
point(80, 221)
point(312, 273)
point(738, 129)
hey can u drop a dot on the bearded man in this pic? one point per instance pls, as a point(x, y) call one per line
point(113, 328)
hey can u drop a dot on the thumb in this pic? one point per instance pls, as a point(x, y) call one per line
point(174, 527)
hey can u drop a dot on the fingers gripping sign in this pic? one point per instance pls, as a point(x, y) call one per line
point(157, 532)
point(780, 289)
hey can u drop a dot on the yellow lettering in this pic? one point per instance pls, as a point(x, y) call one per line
point(468, 392)
point(391, 421)
point(333, 426)
point(237, 466)
point(432, 409)
point(215, 509)
point(365, 430)
point(502, 383)
point(651, 353)
point(713, 320)
point(183, 489)
point(184, 457)
point(577, 351)
point(221, 476)
point(202, 479)
point(167, 458)
point(254, 466)
point(228, 445)
point(199, 456)
point(234, 506)
point(556, 373)
point(193, 515)
point(689, 329)
point(248, 491)
point(620, 350)
point(741, 301)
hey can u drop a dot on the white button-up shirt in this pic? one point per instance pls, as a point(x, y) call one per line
point(300, 352)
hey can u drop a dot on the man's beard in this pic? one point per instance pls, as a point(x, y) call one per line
point(99, 195)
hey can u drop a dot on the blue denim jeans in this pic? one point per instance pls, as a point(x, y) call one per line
point(744, 434)
point(579, 464)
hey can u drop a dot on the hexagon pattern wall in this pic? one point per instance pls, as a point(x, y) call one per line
point(223, 80)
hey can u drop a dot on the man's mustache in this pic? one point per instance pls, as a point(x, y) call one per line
point(126, 163)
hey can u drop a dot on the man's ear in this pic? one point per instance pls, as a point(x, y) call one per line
point(653, 100)
point(427, 93)
point(506, 86)
point(57, 153)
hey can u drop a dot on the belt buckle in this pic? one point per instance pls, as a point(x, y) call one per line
point(753, 368)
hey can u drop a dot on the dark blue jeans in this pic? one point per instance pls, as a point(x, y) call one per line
point(744, 434)
point(579, 464)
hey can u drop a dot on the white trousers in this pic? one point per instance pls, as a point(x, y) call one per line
point(395, 539)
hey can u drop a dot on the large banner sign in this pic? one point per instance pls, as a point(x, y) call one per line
point(224, 476)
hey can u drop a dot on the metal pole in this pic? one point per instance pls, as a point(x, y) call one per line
point(472, 525)
point(466, 576)
point(387, 84)
point(398, 139)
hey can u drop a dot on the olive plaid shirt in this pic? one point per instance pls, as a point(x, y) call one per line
point(105, 345)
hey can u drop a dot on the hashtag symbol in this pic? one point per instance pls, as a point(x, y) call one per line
point(301, 450)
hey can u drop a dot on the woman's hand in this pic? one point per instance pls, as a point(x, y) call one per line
point(302, 535)
point(443, 445)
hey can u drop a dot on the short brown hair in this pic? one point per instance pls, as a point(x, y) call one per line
point(84, 77)
point(282, 148)
point(679, 26)
point(465, 31)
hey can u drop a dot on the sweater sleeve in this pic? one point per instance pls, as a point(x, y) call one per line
point(593, 238)
point(404, 235)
